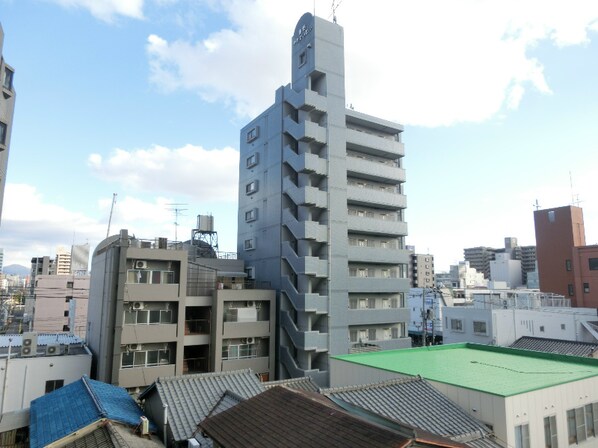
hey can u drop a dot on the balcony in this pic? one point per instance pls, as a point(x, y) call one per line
point(144, 334)
point(376, 171)
point(376, 198)
point(142, 292)
point(374, 144)
point(304, 340)
point(305, 195)
point(383, 227)
point(304, 302)
point(246, 329)
point(143, 376)
point(306, 131)
point(377, 316)
point(305, 230)
point(257, 365)
point(378, 284)
point(377, 255)
point(304, 265)
point(305, 163)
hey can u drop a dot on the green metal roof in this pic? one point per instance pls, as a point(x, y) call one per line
point(495, 370)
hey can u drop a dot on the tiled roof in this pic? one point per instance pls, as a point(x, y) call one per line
point(292, 418)
point(102, 437)
point(77, 405)
point(415, 402)
point(190, 398)
point(555, 346)
point(305, 383)
point(16, 340)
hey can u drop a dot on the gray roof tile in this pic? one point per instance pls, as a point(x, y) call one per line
point(305, 383)
point(555, 346)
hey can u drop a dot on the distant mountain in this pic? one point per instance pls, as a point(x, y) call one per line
point(16, 269)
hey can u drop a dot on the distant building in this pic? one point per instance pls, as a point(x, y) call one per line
point(479, 258)
point(526, 397)
point(80, 259)
point(321, 211)
point(504, 269)
point(62, 262)
point(425, 306)
point(462, 275)
point(565, 264)
point(7, 107)
point(158, 309)
point(1, 260)
point(60, 304)
point(421, 270)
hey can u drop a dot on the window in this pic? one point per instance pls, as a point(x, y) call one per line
point(68, 299)
point(252, 160)
point(522, 436)
point(66, 313)
point(541, 328)
point(570, 289)
point(251, 215)
point(52, 385)
point(550, 434)
point(251, 187)
point(70, 284)
point(150, 276)
point(144, 358)
point(3, 130)
point(593, 264)
point(582, 423)
point(586, 287)
point(302, 58)
point(7, 78)
point(250, 271)
point(148, 316)
point(66, 328)
point(249, 244)
point(568, 265)
point(456, 325)
point(551, 216)
point(353, 335)
point(371, 334)
point(371, 303)
point(395, 332)
point(253, 133)
point(479, 327)
point(563, 326)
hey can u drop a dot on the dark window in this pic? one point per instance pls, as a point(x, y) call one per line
point(251, 187)
point(66, 313)
point(68, 299)
point(3, 130)
point(252, 134)
point(570, 289)
point(593, 262)
point(302, 58)
point(251, 215)
point(52, 385)
point(252, 160)
point(568, 265)
point(586, 287)
point(70, 284)
point(7, 80)
point(66, 328)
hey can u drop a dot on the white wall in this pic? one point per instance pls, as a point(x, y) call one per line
point(24, 379)
point(467, 315)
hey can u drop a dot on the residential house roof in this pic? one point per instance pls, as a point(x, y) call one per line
point(191, 398)
point(77, 405)
point(555, 346)
point(500, 371)
point(294, 418)
point(415, 402)
point(305, 383)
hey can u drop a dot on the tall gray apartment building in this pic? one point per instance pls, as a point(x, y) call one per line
point(321, 212)
point(7, 107)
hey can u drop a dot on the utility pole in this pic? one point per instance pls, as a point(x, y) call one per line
point(424, 319)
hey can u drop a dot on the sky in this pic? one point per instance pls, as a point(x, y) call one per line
point(146, 98)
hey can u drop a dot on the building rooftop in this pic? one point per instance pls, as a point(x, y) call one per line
point(76, 345)
point(294, 418)
point(77, 405)
point(305, 383)
point(191, 398)
point(415, 402)
point(495, 370)
point(555, 346)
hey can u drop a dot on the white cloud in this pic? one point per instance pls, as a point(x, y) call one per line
point(206, 175)
point(424, 63)
point(107, 10)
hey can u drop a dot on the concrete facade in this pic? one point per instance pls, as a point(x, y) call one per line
point(421, 271)
point(321, 211)
point(60, 304)
point(7, 107)
point(504, 269)
point(155, 311)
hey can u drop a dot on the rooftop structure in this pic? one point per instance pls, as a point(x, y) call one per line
point(7, 107)
point(561, 347)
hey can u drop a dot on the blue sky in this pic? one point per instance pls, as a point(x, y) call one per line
point(145, 98)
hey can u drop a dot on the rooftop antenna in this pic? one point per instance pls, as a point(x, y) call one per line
point(176, 208)
point(334, 7)
point(110, 218)
point(574, 197)
point(537, 205)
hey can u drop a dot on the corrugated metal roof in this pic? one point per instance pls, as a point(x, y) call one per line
point(77, 405)
point(415, 402)
point(16, 340)
point(573, 348)
point(190, 398)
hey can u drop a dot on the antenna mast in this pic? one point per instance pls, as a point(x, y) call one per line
point(110, 218)
point(177, 211)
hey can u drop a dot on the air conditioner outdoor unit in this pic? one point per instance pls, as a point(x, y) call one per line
point(134, 347)
point(144, 424)
point(250, 304)
point(138, 305)
point(29, 344)
point(52, 349)
point(141, 264)
point(250, 340)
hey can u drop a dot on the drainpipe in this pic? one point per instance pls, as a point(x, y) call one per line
point(165, 424)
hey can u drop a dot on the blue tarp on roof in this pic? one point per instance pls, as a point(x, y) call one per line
point(77, 405)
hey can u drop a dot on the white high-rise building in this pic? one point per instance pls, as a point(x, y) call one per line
point(321, 208)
